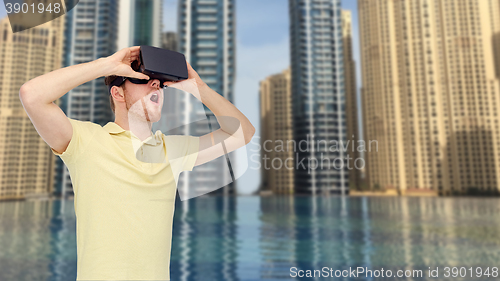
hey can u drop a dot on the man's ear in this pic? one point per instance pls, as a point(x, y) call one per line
point(118, 93)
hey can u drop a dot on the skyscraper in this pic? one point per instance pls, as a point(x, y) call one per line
point(206, 32)
point(140, 23)
point(276, 137)
point(496, 46)
point(351, 104)
point(26, 162)
point(90, 33)
point(431, 94)
point(318, 96)
point(169, 41)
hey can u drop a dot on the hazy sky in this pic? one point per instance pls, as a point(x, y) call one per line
point(262, 49)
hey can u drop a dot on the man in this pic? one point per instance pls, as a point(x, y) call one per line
point(124, 204)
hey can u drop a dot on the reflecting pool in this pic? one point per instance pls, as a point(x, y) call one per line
point(274, 237)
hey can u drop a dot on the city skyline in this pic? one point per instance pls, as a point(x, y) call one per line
point(262, 50)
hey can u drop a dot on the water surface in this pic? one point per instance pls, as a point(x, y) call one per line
point(252, 238)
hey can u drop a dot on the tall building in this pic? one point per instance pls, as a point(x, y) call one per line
point(431, 94)
point(26, 162)
point(169, 40)
point(496, 47)
point(351, 104)
point(140, 23)
point(276, 136)
point(207, 34)
point(318, 93)
point(90, 33)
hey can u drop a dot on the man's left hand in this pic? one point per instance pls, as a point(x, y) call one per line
point(191, 74)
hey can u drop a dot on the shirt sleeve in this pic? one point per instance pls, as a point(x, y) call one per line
point(183, 150)
point(82, 134)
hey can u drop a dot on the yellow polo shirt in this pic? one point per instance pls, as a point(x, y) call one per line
point(124, 206)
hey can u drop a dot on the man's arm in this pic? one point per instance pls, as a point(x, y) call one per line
point(235, 129)
point(38, 94)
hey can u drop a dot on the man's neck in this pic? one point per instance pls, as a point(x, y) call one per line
point(140, 128)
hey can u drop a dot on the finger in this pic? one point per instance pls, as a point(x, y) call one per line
point(169, 83)
point(134, 55)
point(131, 52)
point(139, 75)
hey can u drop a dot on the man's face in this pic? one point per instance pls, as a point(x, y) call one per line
point(144, 101)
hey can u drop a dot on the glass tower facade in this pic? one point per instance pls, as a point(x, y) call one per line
point(147, 22)
point(143, 10)
point(318, 96)
point(206, 32)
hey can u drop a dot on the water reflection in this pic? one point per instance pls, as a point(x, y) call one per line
point(204, 239)
point(408, 233)
point(37, 241)
point(252, 238)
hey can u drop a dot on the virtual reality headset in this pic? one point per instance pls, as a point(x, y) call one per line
point(157, 63)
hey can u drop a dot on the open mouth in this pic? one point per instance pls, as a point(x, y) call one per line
point(154, 97)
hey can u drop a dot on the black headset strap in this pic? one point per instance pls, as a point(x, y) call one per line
point(117, 82)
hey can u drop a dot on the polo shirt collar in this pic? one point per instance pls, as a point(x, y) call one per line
point(115, 129)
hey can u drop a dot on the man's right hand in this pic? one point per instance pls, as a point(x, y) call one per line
point(120, 63)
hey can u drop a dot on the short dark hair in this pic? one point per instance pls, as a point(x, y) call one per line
point(107, 81)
